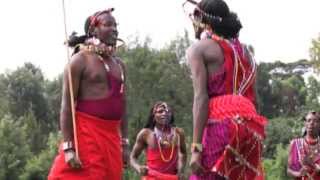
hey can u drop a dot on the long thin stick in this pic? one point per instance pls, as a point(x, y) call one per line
point(70, 85)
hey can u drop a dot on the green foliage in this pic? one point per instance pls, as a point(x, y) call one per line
point(32, 128)
point(53, 94)
point(315, 53)
point(4, 103)
point(38, 166)
point(155, 75)
point(130, 174)
point(26, 91)
point(280, 131)
point(13, 147)
point(282, 90)
point(313, 94)
point(264, 91)
point(276, 169)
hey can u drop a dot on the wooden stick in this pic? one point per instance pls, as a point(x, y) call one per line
point(75, 137)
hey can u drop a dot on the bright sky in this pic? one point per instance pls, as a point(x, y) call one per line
point(33, 30)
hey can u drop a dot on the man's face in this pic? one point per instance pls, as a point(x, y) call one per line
point(312, 124)
point(162, 115)
point(106, 30)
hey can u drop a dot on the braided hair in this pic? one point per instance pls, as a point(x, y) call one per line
point(217, 14)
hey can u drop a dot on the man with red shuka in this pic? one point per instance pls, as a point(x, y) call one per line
point(164, 144)
point(227, 131)
point(304, 152)
point(98, 78)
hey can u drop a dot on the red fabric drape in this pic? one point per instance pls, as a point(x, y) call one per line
point(229, 65)
point(155, 175)
point(99, 151)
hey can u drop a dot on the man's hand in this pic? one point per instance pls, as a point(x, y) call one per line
point(143, 170)
point(308, 160)
point(302, 172)
point(195, 163)
point(71, 159)
point(180, 176)
point(125, 155)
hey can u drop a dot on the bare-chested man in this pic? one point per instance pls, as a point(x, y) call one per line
point(98, 78)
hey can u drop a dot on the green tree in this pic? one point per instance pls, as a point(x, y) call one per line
point(280, 131)
point(155, 75)
point(4, 103)
point(53, 93)
point(35, 136)
point(265, 98)
point(38, 166)
point(315, 53)
point(13, 147)
point(281, 88)
point(25, 91)
point(313, 94)
point(293, 95)
point(276, 169)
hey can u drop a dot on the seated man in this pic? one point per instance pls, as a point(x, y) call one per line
point(164, 144)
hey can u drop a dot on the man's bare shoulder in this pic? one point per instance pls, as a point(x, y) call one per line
point(202, 45)
point(180, 131)
point(80, 57)
point(143, 135)
point(79, 60)
point(145, 132)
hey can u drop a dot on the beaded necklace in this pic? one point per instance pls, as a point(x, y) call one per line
point(164, 139)
point(94, 45)
point(311, 149)
point(247, 78)
point(308, 149)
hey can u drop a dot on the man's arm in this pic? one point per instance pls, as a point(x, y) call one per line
point(76, 67)
point(139, 146)
point(201, 98)
point(200, 104)
point(183, 151)
point(124, 122)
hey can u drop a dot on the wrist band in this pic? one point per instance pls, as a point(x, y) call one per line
point(124, 141)
point(67, 145)
point(196, 147)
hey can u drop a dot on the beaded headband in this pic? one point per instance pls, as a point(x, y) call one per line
point(157, 105)
point(94, 18)
point(199, 12)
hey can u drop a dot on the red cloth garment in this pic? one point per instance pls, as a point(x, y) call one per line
point(242, 155)
point(111, 107)
point(155, 175)
point(99, 151)
point(223, 137)
point(229, 106)
point(299, 149)
point(237, 68)
point(155, 162)
point(158, 169)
